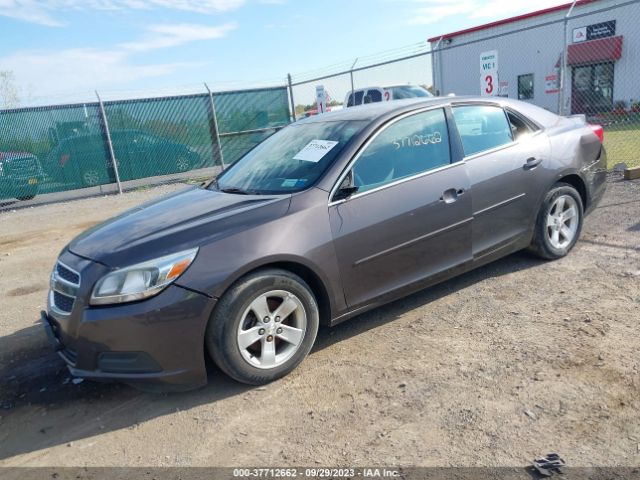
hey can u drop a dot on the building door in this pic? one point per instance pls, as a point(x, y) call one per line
point(592, 88)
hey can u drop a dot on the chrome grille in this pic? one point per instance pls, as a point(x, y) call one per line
point(67, 274)
point(63, 302)
point(64, 288)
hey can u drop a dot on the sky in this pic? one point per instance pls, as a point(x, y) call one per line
point(61, 49)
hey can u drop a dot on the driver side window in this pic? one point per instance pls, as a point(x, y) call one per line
point(408, 147)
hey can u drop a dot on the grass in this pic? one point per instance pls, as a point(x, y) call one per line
point(623, 145)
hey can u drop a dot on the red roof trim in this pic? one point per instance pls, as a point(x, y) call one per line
point(505, 21)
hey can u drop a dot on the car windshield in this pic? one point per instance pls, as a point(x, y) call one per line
point(290, 160)
point(409, 91)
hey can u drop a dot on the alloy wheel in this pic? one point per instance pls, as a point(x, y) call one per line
point(272, 329)
point(91, 177)
point(562, 221)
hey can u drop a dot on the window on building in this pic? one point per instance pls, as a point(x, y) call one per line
point(408, 147)
point(525, 87)
point(482, 127)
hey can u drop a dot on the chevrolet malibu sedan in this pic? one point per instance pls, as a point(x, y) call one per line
point(327, 218)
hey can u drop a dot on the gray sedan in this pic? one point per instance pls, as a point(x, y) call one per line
point(328, 218)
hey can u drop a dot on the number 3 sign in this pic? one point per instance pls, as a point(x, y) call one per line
point(489, 73)
point(488, 87)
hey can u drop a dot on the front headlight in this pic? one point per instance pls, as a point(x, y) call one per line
point(142, 280)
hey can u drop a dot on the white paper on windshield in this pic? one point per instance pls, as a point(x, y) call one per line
point(315, 150)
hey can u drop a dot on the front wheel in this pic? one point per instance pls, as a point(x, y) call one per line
point(263, 327)
point(559, 222)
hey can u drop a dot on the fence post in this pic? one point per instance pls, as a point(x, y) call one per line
point(293, 105)
point(565, 47)
point(114, 162)
point(436, 65)
point(352, 86)
point(215, 125)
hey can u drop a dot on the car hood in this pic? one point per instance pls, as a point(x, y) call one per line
point(180, 221)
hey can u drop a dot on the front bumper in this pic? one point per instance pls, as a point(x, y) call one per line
point(15, 188)
point(155, 344)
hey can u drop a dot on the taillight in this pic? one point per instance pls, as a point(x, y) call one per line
point(599, 131)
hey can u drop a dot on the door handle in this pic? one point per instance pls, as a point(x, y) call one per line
point(451, 195)
point(532, 163)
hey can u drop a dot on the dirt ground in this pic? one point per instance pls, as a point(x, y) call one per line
point(509, 362)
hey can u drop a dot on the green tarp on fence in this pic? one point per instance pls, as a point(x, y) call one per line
point(59, 148)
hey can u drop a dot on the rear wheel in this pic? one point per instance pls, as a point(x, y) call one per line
point(263, 327)
point(183, 164)
point(559, 222)
point(91, 177)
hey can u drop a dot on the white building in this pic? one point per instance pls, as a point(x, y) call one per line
point(523, 57)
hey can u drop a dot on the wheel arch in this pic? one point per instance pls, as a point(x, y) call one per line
point(577, 182)
point(317, 283)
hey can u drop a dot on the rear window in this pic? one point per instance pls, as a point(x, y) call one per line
point(520, 128)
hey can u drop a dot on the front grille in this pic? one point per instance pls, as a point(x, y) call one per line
point(63, 302)
point(67, 274)
point(64, 288)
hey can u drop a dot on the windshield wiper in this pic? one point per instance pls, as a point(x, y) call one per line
point(237, 191)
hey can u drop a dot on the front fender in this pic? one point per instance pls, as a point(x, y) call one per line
point(300, 237)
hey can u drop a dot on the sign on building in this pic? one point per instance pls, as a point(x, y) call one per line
point(489, 86)
point(504, 89)
point(551, 83)
point(595, 31)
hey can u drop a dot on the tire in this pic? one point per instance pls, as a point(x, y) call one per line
point(556, 232)
point(235, 320)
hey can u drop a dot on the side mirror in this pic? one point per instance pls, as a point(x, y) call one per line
point(346, 189)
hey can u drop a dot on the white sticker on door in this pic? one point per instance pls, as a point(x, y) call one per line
point(315, 150)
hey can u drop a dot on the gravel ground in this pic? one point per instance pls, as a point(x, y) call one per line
point(506, 363)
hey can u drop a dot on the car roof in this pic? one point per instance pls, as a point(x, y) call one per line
point(374, 110)
point(383, 110)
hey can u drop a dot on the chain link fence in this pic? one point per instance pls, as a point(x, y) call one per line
point(58, 152)
point(579, 59)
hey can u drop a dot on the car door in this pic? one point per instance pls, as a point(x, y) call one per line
point(411, 215)
point(501, 170)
